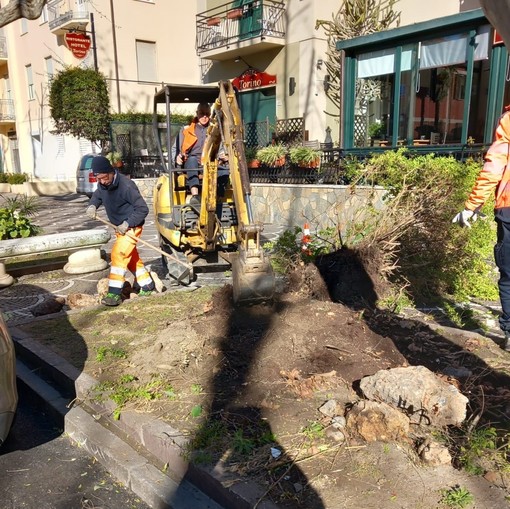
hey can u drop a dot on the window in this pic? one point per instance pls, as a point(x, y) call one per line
point(24, 26)
point(424, 91)
point(44, 15)
point(146, 61)
point(30, 83)
point(49, 68)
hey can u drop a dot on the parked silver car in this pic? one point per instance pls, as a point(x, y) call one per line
point(86, 183)
point(8, 392)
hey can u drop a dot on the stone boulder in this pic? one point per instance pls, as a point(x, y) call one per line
point(419, 393)
point(377, 421)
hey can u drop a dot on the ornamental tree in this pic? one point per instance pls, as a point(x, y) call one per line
point(354, 18)
point(80, 104)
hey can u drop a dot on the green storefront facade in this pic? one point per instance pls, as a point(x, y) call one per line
point(437, 85)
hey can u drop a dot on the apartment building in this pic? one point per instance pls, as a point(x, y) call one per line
point(136, 44)
point(270, 48)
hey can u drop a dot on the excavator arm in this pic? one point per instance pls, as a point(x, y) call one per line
point(252, 275)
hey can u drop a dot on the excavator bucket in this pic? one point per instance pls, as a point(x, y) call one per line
point(253, 279)
point(498, 13)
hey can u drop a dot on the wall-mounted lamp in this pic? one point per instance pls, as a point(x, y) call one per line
point(241, 59)
point(319, 63)
point(292, 85)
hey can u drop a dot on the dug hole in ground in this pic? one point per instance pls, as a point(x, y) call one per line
point(284, 394)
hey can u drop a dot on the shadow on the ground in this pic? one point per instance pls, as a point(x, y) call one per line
point(234, 429)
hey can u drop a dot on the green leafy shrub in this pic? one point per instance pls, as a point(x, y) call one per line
point(412, 226)
point(13, 178)
point(15, 217)
point(404, 231)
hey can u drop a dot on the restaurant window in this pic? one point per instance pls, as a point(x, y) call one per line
point(431, 96)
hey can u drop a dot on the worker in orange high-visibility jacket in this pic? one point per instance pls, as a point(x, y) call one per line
point(127, 210)
point(495, 177)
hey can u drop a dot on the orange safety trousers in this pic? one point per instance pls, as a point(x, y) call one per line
point(124, 257)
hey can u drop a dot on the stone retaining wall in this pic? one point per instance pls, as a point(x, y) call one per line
point(294, 204)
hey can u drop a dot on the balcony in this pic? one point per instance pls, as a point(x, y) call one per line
point(65, 15)
point(225, 32)
point(7, 115)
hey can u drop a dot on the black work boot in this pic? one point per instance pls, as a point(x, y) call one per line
point(506, 344)
point(111, 299)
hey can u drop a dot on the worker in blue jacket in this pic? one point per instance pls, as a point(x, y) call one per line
point(126, 210)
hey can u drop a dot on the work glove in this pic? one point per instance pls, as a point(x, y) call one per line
point(91, 211)
point(464, 217)
point(122, 228)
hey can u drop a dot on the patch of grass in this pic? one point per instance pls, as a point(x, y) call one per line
point(104, 351)
point(126, 390)
point(462, 317)
point(196, 389)
point(313, 431)
point(456, 497)
point(242, 444)
point(483, 446)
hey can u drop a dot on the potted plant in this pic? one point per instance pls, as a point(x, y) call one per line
point(251, 157)
point(305, 157)
point(272, 155)
point(115, 159)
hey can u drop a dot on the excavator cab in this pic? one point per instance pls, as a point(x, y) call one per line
point(220, 232)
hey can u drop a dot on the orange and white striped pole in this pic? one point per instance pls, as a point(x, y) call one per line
point(305, 239)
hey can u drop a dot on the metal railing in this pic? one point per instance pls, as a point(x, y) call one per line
point(224, 25)
point(333, 169)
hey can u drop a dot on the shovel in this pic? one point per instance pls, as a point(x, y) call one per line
point(157, 249)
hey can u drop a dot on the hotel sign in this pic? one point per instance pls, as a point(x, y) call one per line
point(78, 43)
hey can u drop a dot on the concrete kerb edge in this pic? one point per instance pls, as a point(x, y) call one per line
point(164, 443)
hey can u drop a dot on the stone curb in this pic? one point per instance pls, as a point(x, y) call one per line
point(135, 448)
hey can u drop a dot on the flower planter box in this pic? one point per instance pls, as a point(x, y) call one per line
point(235, 14)
point(213, 22)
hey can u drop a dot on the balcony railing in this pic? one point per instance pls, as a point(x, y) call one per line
point(67, 14)
point(225, 26)
point(7, 110)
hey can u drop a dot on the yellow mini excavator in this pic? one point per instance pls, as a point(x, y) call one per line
point(221, 230)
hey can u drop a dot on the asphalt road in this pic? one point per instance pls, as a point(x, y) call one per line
point(41, 469)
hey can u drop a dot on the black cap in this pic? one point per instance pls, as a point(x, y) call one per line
point(101, 165)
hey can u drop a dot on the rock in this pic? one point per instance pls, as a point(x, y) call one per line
point(337, 436)
point(377, 421)
point(423, 396)
point(329, 408)
point(49, 306)
point(81, 300)
point(436, 454)
point(102, 287)
point(298, 487)
point(338, 422)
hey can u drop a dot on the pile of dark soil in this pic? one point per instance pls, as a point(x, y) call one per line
point(245, 384)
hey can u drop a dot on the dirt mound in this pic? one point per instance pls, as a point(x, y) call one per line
point(243, 383)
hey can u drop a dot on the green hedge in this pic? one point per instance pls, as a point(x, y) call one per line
point(13, 178)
